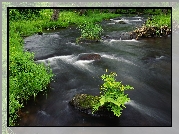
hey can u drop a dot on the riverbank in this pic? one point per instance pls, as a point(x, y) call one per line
point(155, 26)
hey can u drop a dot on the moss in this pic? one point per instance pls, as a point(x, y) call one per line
point(84, 101)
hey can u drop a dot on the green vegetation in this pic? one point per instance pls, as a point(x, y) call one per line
point(27, 78)
point(159, 21)
point(142, 11)
point(112, 95)
point(155, 26)
point(90, 31)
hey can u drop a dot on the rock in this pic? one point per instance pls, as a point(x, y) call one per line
point(121, 36)
point(89, 56)
point(85, 102)
point(39, 33)
point(87, 41)
point(121, 22)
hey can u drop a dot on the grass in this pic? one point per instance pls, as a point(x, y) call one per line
point(159, 21)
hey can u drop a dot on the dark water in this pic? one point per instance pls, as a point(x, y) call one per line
point(144, 64)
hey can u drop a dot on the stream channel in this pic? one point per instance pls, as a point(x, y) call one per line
point(144, 64)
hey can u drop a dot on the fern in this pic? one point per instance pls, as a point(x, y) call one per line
point(112, 94)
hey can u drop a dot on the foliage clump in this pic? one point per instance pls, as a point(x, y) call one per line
point(90, 31)
point(112, 94)
point(26, 78)
point(155, 26)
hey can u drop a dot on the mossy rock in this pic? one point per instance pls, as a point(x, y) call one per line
point(85, 102)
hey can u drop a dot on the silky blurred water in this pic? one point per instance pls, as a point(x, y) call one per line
point(144, 64)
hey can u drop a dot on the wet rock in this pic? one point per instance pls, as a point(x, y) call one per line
point(39, 33)
point(89, 56)
point(121, 22)
point(87, 41)
point(85, 102)
point(121, 36)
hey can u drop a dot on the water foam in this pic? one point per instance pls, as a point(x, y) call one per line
point(73, 44)
point(69, 59)
point(120, 20)
point(136, 20)
point(111, 23)
point(158, 58)
point(121, 59)
point(52, 60)
point(83, 64)
point(119, 40)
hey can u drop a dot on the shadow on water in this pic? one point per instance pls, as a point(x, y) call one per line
point(144, 64)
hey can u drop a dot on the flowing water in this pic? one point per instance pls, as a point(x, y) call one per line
point(144, 64)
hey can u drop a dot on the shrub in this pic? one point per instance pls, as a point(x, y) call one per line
point(26, 78)
point(90, 31)
point(112, 94)
point(23, 14)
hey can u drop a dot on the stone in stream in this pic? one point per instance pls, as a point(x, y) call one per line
point(121, 36)
point(85, 102)
point(121, 22)
point(89, 56)
point(39, 33)
point(87, 41)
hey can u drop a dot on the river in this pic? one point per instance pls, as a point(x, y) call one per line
point(144, 64)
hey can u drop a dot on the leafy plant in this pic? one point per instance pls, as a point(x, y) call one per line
point(90, 31)
point(112, 94)
point(26, 78)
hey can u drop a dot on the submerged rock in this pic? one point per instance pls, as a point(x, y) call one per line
point(85, 102)
point(89, 56)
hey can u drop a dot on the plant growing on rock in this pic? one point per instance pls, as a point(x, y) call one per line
point(158, 25)
point(112, 95)
point(90, 31)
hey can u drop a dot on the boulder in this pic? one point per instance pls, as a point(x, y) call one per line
point(89, 56)
point(85, 102)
